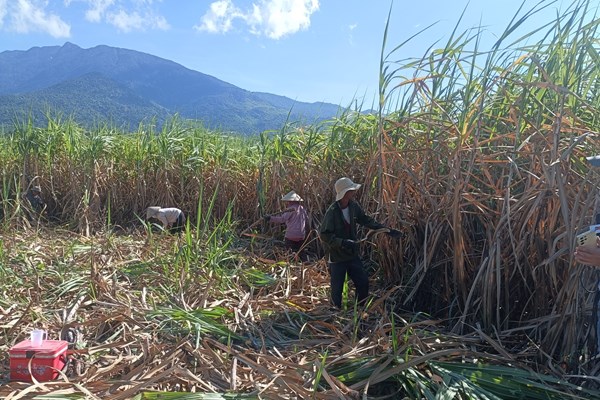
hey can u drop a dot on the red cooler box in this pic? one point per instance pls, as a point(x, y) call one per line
point(46, 360)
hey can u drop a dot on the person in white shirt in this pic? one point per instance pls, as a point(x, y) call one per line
point(172, 219)
point(338, 233)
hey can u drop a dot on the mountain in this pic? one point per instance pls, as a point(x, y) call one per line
point(91, 99)
point(125, 87)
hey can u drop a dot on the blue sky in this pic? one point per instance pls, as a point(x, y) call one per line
point(308, 50)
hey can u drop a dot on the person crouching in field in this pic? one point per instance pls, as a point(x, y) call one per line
point(295, 219)
point(35, 205)
point(172, 219)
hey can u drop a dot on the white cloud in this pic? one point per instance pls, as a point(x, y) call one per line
point(2, 11)
point(126, 16)
point(271, 18)
point(127, 22)
point(97, 9)
point(25, 16)
point(220, 16)
point(351, 28)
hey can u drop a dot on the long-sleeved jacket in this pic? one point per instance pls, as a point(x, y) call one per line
point(333, 230)
point(295, 219)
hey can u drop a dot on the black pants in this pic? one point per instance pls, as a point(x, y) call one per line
point(356, 272)
point(294, 245)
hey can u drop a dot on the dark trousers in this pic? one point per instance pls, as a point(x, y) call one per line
point(294, 245)
point(356, 272)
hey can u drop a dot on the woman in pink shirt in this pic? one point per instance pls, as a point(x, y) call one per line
point(295, 219)
point(171, 218)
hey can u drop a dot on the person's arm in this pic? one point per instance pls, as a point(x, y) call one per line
point(365, 220)
point(279, 219)
point(371, 223)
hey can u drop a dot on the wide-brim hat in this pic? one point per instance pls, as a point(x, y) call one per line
point(152, 211)
point(343, 185)
point(291, 196)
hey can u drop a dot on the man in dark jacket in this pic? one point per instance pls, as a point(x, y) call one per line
point(34, 205)
point(338, 234)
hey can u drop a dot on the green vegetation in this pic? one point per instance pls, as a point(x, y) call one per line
point(476, 155)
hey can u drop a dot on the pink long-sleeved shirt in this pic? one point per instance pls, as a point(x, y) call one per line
point(295, 220)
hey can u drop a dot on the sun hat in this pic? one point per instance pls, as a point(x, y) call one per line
point(291, 196)
point(151, 212)
point(343, 185)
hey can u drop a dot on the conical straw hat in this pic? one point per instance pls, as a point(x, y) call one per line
point(291, 196)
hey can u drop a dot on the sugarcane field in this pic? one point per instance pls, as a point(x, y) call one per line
point(441, 244)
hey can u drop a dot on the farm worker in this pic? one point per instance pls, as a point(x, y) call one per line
point(33, 204)
point(590, 255)
point(338, 234)
point(172, 219)
point(34, 197)
point(295, 219)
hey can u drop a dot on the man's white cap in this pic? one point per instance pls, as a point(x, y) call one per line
point(343, 185)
